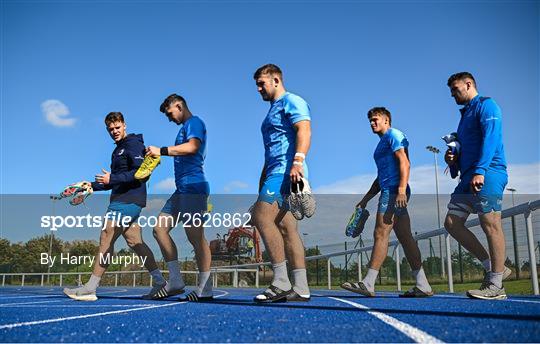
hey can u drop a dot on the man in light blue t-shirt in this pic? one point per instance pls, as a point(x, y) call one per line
point(286, 132)
point(393, 167)
point(189, 200)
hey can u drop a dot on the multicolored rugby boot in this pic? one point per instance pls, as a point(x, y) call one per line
point(356, 224)
point(77, 192)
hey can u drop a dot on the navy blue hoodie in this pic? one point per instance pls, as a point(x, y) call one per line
point(125, 161)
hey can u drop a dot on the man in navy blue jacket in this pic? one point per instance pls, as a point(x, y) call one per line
point(483, 177)
point(128, 197)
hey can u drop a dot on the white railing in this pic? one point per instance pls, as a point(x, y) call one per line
point(215, 271)
point(524, 209)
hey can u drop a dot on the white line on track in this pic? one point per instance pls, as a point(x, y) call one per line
point(93, 315)
point(59, 293)
point(467, 298)
point(410, 331)
point(25, 303)
point(447, 296)
point(85, 305)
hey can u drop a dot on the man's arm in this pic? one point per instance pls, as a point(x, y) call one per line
point(188, 148)
point(404, 171)
point(135, 155)
point(303, 142)
point(372, 192)
point(100, 186)
point(491, 127)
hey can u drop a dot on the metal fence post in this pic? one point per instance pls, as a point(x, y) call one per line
point(532, 255)
point(235, 282)
point(42, 279)
point(3, 280)
point(116, 280)
point(449, 264)
point(257, 277)
point(359, 259)
point(329, 273)
point(22, 281)
point(398, 273)
point(61, 279)
point(151, 280)
point(134, 278)
point(516, 251)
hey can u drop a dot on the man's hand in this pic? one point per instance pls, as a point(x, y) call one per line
point(153, 151)
point(477, 183)
point(450, 158)
point(297, 172)
point(401, 200)
point(104, 178)
point(362, 204)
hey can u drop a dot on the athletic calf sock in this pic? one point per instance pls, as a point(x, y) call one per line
point(487, 264)
point(93, 282)
point(175, 276)
point(157, 277)
point(369, 280)
point(496, 278)
point(421, 280)
point(300, 282)
point(281, 280)
point(204, 287)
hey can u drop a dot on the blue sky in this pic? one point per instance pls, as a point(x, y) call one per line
point(342, 57)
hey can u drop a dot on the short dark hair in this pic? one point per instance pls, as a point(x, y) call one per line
point(269, 68)
point(170, 100)
point(113, 117)
point(381, 110)
point(461, 76)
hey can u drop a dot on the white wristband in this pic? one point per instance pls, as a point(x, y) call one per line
point(298, 163)
point(302, 155)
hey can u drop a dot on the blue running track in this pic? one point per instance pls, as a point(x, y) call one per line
point(37, 314)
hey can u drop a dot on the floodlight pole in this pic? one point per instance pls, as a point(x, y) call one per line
point(436, 151)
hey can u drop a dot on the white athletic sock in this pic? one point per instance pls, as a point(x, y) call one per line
point(300, 282)
point(487, 264)
point(421, 280)
point(157, 277)
point(93, 282)
point(496, 278)
point(175, 276)
point(204, 287)
point(369, 280)
point(281, 279)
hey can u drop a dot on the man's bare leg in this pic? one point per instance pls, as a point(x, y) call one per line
point(402, 229)
point(492, 226)
point(134, 240)
point(170, 252)
point(294, 250)
point(264, 218)
point(203, 257)
point(455, 226)
point(383, 227)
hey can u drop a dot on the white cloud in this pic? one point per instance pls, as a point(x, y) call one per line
point(525, 178)
point(166, 185)
point(56, 113)
point(235, 185)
